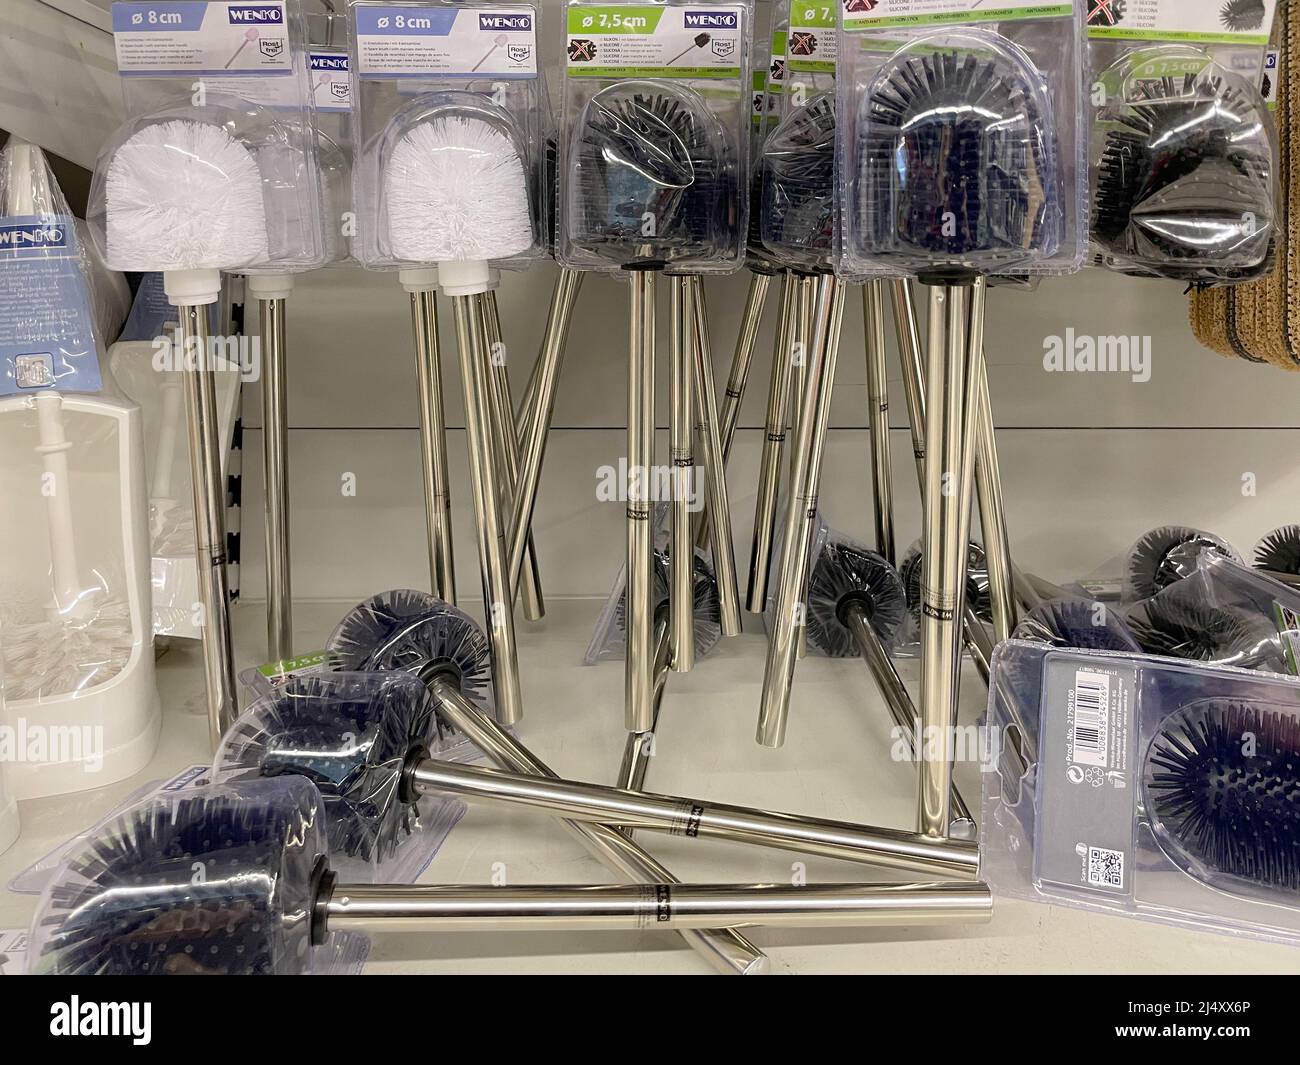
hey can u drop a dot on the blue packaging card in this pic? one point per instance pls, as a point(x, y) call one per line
point(152, 310)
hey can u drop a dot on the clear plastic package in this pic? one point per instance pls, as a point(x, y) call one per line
point(217, 167)
point(845, 573)
point(260, 845)
point(1161, 790)
point(9, 825)
point(1184, 153)
point(331, 87)
point(1271, 607)
point(655, 131)
point(451, 123)
point(352, 734)
point(962, 147)
point(1076, 622)
point(1164, 556)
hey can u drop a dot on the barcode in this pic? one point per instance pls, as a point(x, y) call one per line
point(1105, 868)
point(1090, 737)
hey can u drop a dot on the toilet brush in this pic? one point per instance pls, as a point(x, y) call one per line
point(360, 750)
point(456, 195)
point(129, 902)
point(420, 635)
point(185, 197)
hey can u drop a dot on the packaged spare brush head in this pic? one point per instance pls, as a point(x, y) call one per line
point(1165, 790)
point(451, 132)
point(655, 139)
point(961, 146)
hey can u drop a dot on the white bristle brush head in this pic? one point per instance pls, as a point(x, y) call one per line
point(456, 192)
point(184, 195)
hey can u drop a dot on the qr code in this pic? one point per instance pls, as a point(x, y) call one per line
point(1105, 868)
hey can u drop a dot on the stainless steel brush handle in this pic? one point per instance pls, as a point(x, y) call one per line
point(638, 696)
point(801, 515)
point(769, 470)
point(539, 406)
point(681, 450)
point(433, 445)
point(882, 469)
point(498, 594)
point(275, 480)
point(726, 950)
point(610, 907)
point(715, 470)
point(507, 443)
point(702, 819)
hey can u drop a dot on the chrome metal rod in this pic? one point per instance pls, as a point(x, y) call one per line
point(882, 469)
point(701, 819)
point(722, 546)
point(801, 515)
point(275, 475)
point(943, 578)
point(988, 483)
point(538, 412)
point(769, 471)
point(638, 700)
point(611, 907)
point(803, 343)
point(507, 447)
point(727, 951)
point(209, 485)
point(899, 702)
point(433, 444)
point(498, 597)
point(742, 358)
point(639, 747)
point(681, 557)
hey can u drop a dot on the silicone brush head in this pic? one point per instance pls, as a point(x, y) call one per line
point(1184, 187)
point(706, 609)
point(351, 735)
point(183, 195)
point(798, 190)
point(455, 190)
point(416, 633)
point(1166, 555)
point(219, 880)
point(957, 162)
point(1279, 551)
point(1222, 786)
point(1238, 16)
point(979, 596)
point(1083, 623)
point(648, 162)
point(846, 578)
point(1177, 623)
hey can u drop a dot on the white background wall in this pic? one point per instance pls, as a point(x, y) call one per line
point(1089, 462)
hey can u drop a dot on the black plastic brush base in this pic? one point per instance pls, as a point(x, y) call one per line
point(323, 880)
point(406, 789)
point(646, 266)
point(948, 278)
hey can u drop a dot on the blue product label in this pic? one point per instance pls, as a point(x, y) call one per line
point(405, 21)
point(47, 337)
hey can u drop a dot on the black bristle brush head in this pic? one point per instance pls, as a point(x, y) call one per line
point(1221, 785)
point(958, 163)
point(798, 185)
point(1179, 623)
point(648, 150)
point(844, 578)
point(1184, 184)
point(417, 633)
point(1166, 555)
point(1082, 623)
point(1279, 551)
point(707, 610)
point(350, 734)
point(220, 880)
point(979, 596)
point(1238, 16)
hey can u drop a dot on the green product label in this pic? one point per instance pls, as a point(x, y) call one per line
point(883, 18)
point(610, 41)
point(310, 662)
point(614, 19)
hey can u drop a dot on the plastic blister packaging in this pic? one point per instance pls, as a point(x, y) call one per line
point(261, 846)
point(962, 147)
point(224, 174)
point(1270, 610)
point(1164, 556)
point(847, 574)
point(1076, 622)
point(352, 735)
point(1161, 790)
point(329, 67)
point(9, 825)
point(451, 125)
point(655, 136)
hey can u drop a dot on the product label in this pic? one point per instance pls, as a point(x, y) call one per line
point(445, 42)
point(659, 42)
point(876, 14)
point(279, 673)
point(331, 81)
point(47, 336)
point(1201, 21)
point(1269, 77)
point(212, 37)
point(14, 943)
point(813, 37)
point(1086, 781)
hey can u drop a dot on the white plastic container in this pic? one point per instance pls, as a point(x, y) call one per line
point(82, 711)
